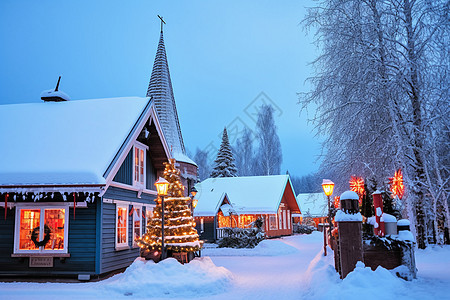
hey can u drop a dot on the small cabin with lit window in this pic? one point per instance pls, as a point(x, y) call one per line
point(77, 184)
point(77, 177)
point(239, 201)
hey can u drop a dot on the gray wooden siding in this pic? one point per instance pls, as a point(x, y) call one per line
point(110, 258)
point(125, 173)
point(81, 246)
point(151, 173)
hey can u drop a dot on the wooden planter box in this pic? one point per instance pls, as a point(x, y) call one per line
point(375, 256)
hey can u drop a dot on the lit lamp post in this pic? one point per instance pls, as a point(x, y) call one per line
point(328, 187)
point(162, 186)
point(193, 201)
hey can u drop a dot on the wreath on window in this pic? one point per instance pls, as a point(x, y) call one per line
point(35, 234)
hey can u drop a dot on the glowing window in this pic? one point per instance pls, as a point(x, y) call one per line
point(272, 222)
point(122, 226)
point(137, 225)
point(139, 165)
point(31, 236)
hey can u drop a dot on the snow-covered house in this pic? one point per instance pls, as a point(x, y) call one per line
point(239, 201)
point(313, 206)
point(77, 178)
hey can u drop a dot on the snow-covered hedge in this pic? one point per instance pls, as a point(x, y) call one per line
point(241, 238)
point(303, 228)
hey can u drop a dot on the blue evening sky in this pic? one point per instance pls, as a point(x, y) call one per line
point(222, 55)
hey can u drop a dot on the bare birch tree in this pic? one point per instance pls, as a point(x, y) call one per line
point(269, 154)
point(376, 89)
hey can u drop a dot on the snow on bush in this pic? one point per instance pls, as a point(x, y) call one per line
point(303, 228)
point(169, 278)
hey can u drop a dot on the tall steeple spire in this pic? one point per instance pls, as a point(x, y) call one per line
point(160, 88)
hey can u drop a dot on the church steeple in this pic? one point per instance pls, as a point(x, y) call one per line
point(160, 88)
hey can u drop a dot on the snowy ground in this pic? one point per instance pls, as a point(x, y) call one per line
point(288, 268)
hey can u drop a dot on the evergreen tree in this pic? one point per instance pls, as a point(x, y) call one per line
point(179, 225)
point(367, 200)
point(389, 206)
point(224, 164)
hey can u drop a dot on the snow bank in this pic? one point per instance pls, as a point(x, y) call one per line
point(169, 279)
point(264, 248)
point(343, 217)
point(324, 283)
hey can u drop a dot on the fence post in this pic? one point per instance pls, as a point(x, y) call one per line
point(378, 228)
point(349, 222)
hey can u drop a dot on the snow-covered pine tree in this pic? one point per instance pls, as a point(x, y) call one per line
point(224, 164)
point(179, 228)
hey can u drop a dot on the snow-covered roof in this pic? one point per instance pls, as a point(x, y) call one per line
point(313, 204)
point(183, 158)
point(247, 195)
point(71, 142)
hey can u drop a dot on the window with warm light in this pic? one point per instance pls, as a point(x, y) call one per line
point(41, 229)
point(289, 219)
point(137, 225)
point(121, 226)
point(280, 221)
point(246, 220)
point(139, 165)
point(272, 222)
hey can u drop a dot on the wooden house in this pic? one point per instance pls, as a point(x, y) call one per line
point(239, 201)
point(77, 178)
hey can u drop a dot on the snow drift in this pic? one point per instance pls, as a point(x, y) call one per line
point(170, 279)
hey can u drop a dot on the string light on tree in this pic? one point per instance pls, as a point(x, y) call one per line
point(396, 183)
point(180, 234)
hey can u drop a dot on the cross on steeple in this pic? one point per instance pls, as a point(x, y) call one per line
point(162, 22)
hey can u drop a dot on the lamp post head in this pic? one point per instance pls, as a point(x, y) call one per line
point(193, 191)
point(194, 203)
point(162, 186)
point(328, 187)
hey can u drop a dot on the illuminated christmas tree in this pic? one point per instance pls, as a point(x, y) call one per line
point(179, 226)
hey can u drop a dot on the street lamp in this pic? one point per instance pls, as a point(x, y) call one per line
point(193, 202)
point(162, 186)
point(328, 187)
